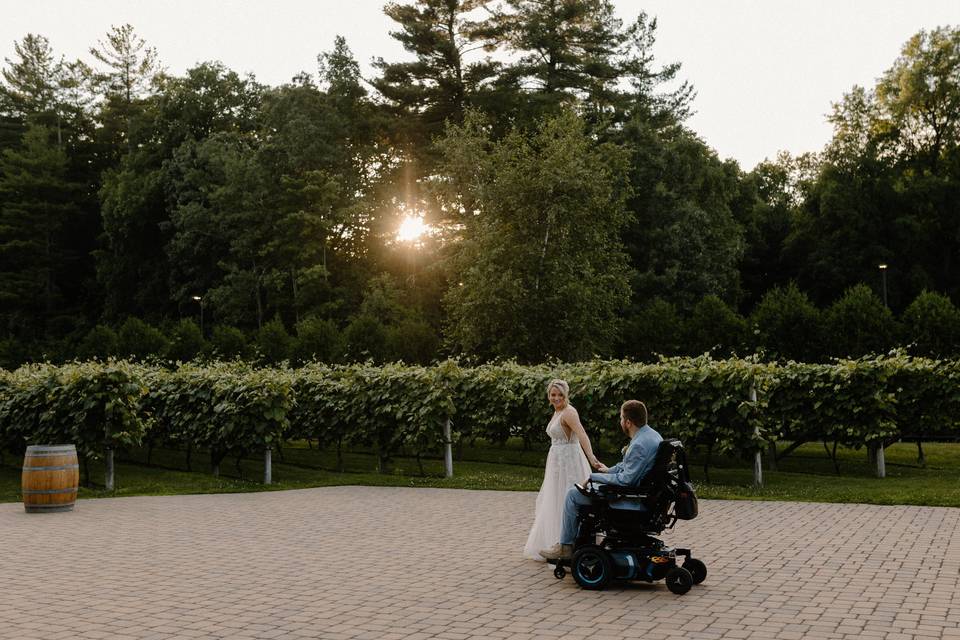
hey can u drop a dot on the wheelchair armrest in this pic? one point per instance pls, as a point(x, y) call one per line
point(617, 492)
point(590, 490)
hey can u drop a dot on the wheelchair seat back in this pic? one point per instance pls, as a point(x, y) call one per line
point(666, 484)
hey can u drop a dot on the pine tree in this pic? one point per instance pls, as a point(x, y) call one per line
point(31, 80)
point(36, 201)
point(130, 67)
point(442, 80)
point(577, 52)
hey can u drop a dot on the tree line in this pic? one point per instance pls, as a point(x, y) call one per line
point(571, 210)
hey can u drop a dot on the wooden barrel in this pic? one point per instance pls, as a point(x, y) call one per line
point(51, 474)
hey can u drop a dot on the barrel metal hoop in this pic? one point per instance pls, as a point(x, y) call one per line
point(40, 450)
point(46, 492)
point(61, 467)
point(41, 508)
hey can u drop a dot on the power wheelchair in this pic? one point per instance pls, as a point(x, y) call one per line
point(617, 543)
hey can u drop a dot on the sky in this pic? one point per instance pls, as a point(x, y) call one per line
point(765, 71)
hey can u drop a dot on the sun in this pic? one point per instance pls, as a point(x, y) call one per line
point(412, 228)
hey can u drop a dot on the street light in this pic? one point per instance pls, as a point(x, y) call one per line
point(883, 271)
point(200, 300)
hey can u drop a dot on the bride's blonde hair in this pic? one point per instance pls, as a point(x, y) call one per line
point(561, 386)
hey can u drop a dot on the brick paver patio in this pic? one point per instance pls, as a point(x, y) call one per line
point(392, 563)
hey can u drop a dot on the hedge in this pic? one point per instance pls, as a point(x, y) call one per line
point(236, 408)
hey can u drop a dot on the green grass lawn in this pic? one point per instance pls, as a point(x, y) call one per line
point(806, 475)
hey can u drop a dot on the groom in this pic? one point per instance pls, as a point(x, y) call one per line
point(637, 461)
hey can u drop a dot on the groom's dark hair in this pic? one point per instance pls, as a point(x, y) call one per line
point(635, 411)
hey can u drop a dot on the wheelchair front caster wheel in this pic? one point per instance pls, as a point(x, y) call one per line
point(559, 573)
point(698, 570)
point(679, 580)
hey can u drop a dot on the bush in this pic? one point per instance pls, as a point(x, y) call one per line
point(365, 338)
point(234, 407)
point(228, 342)
point(412, 341)
point(714, 326)
point(788, 326)
point(656, 330)
point(95, 406)
point(317, 340)
point(137, 339)
point(932, 324)
point(273, 342)
point(186, 342)
point(100, 342)
point(859, 324)
point(13, 353)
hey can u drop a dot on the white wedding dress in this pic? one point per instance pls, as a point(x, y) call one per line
point(566, 465)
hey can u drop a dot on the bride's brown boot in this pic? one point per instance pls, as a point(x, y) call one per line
point(558, 552)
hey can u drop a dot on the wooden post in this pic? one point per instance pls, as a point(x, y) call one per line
point(267, 465)
point(109, 479)
point(758, 457)
point(447, 450)
point(881, 462)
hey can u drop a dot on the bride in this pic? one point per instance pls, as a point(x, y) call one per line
point(566, 465)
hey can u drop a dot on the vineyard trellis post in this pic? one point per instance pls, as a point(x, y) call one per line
point(109, 471)
point(757, 456)
point(447, 450)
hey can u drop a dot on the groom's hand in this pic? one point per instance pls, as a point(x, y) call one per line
point(602, 468)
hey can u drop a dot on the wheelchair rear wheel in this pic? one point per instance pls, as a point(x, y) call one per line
point(592, 567)
point(698, 570)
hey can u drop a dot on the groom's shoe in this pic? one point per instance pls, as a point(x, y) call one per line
point(558, 552)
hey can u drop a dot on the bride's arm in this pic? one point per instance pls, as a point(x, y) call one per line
point(571, 419)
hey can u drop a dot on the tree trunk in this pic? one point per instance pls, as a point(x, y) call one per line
point(706, 463)
point(237, 464)
point(793, 447)
point(832, 455)
point(296, 307)
point(921, 459)
point(256, 275)
point(543, 255)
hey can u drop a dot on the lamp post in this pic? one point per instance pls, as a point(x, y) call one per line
point(883, 271)
point(200, 300)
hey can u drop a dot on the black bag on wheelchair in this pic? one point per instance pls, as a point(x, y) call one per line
point(685, 507)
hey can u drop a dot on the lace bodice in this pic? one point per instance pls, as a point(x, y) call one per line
point(556, 432)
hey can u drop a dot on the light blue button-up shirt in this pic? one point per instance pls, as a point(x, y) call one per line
point(637, 460)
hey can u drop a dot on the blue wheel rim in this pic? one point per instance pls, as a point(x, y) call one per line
point(593, 564)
